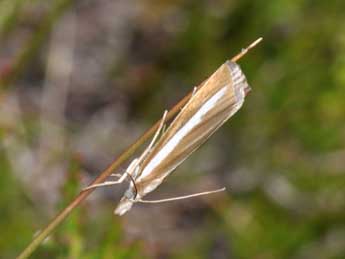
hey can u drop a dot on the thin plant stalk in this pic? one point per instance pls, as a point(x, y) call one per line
point(42, 235)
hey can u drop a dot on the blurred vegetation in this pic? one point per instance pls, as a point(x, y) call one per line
point(80, 80)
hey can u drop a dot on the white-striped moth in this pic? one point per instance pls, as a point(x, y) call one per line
point(211, 105)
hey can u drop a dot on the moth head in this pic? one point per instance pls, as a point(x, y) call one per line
point(125, 203)
point(124, 206)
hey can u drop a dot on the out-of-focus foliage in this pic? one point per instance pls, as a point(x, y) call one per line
point(80, 80)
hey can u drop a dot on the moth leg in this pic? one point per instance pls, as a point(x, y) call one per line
point(106, 183)
point(194, 90)
point(116, 175)
point(135, 163)
point(164, 128)
point(154, 139)
point(161, 126)
point(193, 93)
point(122, 177)
point(180, 197)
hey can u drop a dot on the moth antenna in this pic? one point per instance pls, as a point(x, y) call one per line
point(181, 197)
point(245, 50)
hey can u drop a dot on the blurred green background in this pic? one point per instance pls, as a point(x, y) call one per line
point(81, 80)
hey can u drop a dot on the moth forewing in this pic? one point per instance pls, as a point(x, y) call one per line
point(214, 102)
point(217, 100)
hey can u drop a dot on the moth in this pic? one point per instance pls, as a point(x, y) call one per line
point(212, 103)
